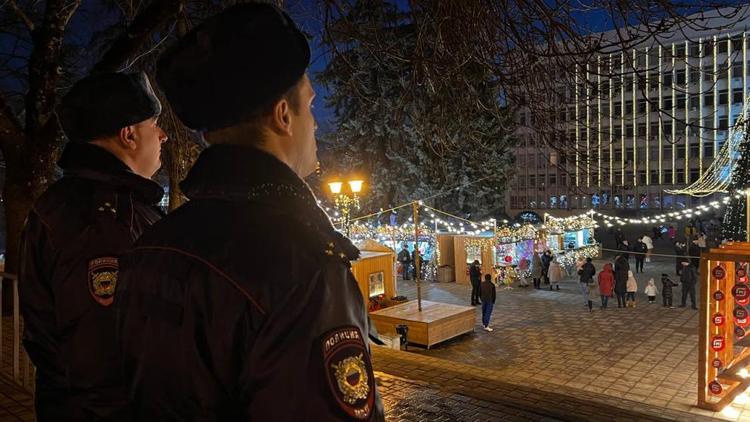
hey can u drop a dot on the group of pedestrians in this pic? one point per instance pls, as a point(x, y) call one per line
point(544, 269)
point(619, 281)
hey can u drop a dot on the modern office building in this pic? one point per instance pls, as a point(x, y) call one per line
point(650, 119)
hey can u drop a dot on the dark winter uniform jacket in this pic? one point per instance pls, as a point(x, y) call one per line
point(72, 242)
point(241, 305)
point(621, 275)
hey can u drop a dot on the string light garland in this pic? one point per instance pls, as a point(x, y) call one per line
point(717, 176)
point(611, 220)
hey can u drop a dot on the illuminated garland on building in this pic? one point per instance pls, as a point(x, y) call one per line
point(717, 176)
point(584, 220)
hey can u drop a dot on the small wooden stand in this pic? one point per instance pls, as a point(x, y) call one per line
point(724, 351)
point(435, 323)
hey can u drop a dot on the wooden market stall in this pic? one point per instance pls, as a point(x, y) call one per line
point(483, 251)
point(374, 270)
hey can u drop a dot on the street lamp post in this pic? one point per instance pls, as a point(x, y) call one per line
point(345, 202)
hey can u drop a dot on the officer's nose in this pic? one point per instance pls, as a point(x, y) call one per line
point(163, 137)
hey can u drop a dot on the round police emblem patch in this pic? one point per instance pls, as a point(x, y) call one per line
point(102, 280)
point(349, 371)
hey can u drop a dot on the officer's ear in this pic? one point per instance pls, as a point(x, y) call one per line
point(126, 138)
point(281, 118)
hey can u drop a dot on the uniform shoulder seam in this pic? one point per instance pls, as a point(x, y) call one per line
point(211, 266)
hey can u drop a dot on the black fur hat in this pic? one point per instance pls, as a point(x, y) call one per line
point(101, 104)
point(233, 66)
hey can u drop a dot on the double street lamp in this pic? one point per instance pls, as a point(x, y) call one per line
point(346, 201)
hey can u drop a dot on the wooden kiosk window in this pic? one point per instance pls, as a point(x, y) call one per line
point(724, 337)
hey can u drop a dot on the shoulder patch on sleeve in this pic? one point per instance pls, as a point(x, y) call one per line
point(349, 371)
point(102, 279)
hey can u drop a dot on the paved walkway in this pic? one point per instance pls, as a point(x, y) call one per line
point(543, 338)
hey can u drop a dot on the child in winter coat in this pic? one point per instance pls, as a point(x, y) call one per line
point(666, 290)
point(554, 274)
point(651, 291)
point(606, 284)
point(632, 288)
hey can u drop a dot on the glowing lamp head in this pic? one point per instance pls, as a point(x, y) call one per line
point(355, 185)
point(335, 187)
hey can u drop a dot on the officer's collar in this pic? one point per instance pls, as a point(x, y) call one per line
point(247, 174)
point(89, 161)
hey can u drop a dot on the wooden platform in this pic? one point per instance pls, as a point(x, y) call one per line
point(436, 322)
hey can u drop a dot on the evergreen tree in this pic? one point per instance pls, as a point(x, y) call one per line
point(734, 226)
point(413, 143)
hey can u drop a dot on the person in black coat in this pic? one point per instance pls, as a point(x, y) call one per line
point(666, 290)
point(639, 250)
point(405, 259)
point(241, 305)
point(73, 241)
point(688, 278)
point(475, 276)
point(621, 279)
point(586, 274)
point(488, 300)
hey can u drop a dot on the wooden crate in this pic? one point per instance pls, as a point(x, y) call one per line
point(436, 323)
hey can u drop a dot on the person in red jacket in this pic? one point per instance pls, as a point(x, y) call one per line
point(606, 284)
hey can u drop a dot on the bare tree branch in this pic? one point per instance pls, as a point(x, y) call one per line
point(21, 15)
point(138, 34)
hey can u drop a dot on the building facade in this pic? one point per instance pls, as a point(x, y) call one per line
point(638, 123)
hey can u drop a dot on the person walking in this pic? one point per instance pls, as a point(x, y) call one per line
point(475, 276)
point(679, 251)
point(622, 268)
point(555, 274)
point(208, 330)
point(606, 284)
point(586, 274)
point(639, 250)
point(489, 295)
point(649, 247)
point(672, 233)
point(619, 238)
point(74, 239)
point(593, 292)
point(651, 291)
point(625, 250)
point(656, 231)
point(688, 279)
point(632, 289)
point(536, 270)
point(404, 257)
point(666, 290)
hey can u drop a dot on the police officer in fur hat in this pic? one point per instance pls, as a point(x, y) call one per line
point(73, 240)
point(210, 330)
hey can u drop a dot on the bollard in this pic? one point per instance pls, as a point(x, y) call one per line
point(403, 331)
